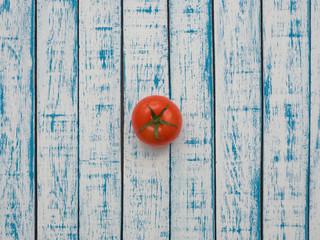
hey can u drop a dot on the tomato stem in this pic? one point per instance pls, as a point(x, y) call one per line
point(156, 121)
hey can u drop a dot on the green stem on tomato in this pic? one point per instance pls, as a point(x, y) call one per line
point(156, 121)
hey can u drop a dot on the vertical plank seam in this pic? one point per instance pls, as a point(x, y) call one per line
point(214, 162)
point(169, 79)
point(262, 119)
point(78, 115)
point(35, 124)
point(168, 36)
point(122, 116)
point(309, 133)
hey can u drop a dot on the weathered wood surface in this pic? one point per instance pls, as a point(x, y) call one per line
point(207, 184)
point(192, 163)
point(57, 130)
point(314, 220)
point(238, 118)
point(286, 119)
point(146, 169)
point(99, 119)
point(16, 120)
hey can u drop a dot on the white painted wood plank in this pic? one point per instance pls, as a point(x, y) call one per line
point(16, 120)
point(192, 90)
point(57, 119)
point(286, 119)
point(146, 169)
point(238, 118)
point(314, 220)
point(99, 119)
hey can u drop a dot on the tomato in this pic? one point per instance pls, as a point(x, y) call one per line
point(156, 120)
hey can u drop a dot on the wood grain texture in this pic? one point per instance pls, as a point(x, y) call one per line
point(192, 90)
point(57, 119)
point(286, 118)
point(16, 120)
point(99, 119)
point(314, 220)
point(238, 118)
point(146, 169)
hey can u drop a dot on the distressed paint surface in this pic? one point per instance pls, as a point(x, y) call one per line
point(314, 220)
point(238, 118)
point(146, 208)
point(286, 119)
point(192, 90)
point(146, 169)
point(99, 119)
point(57, 119)
point(16, 120)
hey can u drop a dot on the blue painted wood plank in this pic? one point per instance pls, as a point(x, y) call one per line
point(238, 118)
point(286, 118)
point(314, 220)
point(16, 120)
point(146, 169)
point(57, 132)
point(99, 119)
point(192, 199)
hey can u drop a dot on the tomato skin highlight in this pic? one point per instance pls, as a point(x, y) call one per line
point(141, 115)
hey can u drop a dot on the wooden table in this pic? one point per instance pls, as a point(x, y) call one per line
point(246, 76)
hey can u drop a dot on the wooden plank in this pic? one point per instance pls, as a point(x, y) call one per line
point(99, 119)
point(238, 118)
point(286, 119)
point(16, 120)
point(57, 119)
point(146, 169)
point(192, 90)
point(314, 220)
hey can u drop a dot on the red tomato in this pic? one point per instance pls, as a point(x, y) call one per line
point(156, 120)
